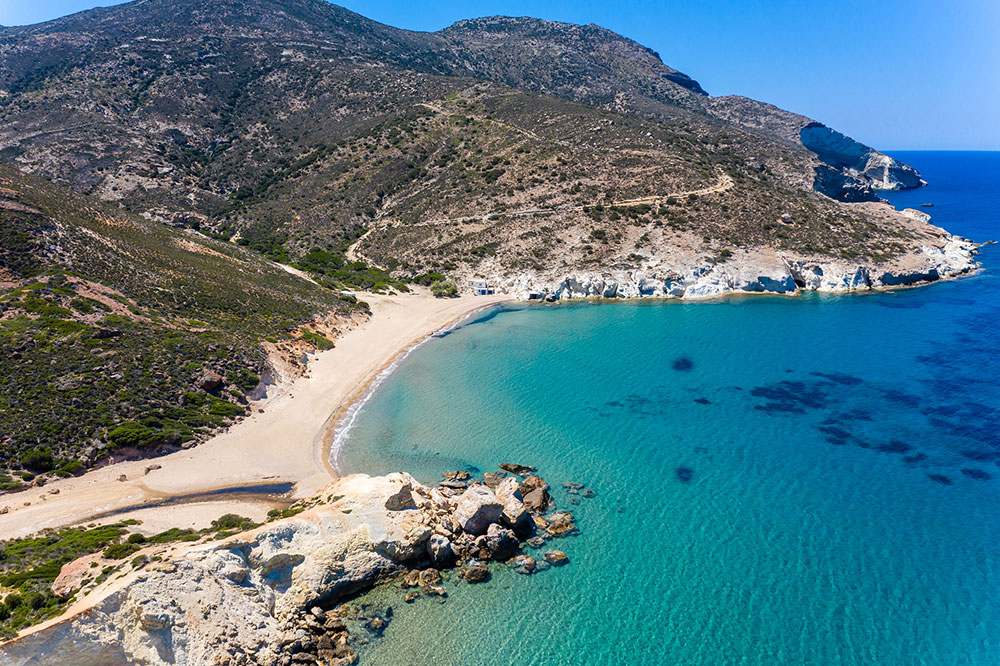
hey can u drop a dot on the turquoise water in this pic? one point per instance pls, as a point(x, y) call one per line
point(843, 505)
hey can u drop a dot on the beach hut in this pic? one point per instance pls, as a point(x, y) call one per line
point(480, 287)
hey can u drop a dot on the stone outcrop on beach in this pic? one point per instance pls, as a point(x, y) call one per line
point(266, 596)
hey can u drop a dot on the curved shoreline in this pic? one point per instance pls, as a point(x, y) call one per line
point(285, 442)
point(342, 420)
point(291, 442)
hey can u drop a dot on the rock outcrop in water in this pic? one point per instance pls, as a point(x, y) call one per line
point(263, 597)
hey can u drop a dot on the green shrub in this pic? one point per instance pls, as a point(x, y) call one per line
point(9, 483)
point(225, 408)
point(132, 433)
point(243, 378)
point(317, 340)
point(119, 551)
point(39, 460)
point(231, 521)
point(444, 289)
point(71, 468)
point(174, 534)
point(427, 279)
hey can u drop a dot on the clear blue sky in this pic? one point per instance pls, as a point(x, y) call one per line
point(893, 73)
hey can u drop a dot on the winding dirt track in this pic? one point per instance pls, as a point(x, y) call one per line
point(724, 183)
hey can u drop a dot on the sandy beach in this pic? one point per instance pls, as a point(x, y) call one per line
point(286, 444)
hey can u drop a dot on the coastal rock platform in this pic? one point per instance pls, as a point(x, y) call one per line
point(756, 271)
point(269, 595)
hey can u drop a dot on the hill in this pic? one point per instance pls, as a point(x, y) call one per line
point(123, 336)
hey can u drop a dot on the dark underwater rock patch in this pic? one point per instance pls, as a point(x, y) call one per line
point(639, 405)
point(838, 378)
point(940, 410)
point(684, 474)
point(779, 408)
point(683, 364)
point(940, 478)
point(790, 397)
point(915, 458)
point(901, 398)
point(895, 446)
point(856, 415)
point(834, 435)
point(981, 456)
point(896, 304)
point(977, 474)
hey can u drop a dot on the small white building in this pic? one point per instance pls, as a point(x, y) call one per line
point(481, 287)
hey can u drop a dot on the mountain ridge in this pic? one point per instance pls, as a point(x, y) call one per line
point(619, 72)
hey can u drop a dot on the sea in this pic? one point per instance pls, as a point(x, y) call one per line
point(810, 480)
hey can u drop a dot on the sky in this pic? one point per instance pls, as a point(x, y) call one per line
point(895, 74)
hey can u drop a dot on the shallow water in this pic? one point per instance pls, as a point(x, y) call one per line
point(809, 480)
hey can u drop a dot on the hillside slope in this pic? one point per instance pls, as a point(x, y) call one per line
point(158, 102)
point(123, 336)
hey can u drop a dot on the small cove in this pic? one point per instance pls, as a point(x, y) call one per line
point(779, 481)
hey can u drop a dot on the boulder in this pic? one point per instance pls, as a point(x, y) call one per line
point(411, 579)
point(532, 483)
point(556, 558)
point(501, 543)
point(401, 499)
point(476, 509)
point(491, 480)
point(440, 551)
point(562, 525)
point(524, 564)
point(429, 578)
point(477, 573)
point(515, 515)
point(514, 468)
point(208, 380)
point(537, 501)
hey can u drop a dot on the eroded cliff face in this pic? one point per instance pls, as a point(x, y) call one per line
point(856, 161)
point(846, 169)
point(755, 271)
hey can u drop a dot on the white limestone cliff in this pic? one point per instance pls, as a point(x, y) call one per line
point(763, 271)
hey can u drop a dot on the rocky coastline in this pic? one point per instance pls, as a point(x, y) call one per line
point(752, 272)
point(275, 594)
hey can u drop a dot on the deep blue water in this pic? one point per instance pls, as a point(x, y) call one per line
point(843, 505)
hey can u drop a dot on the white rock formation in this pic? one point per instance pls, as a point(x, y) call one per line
point(231, 602)
point(760, 271)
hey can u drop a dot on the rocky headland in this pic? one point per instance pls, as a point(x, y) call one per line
point(274, 595)
point(753, 272)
